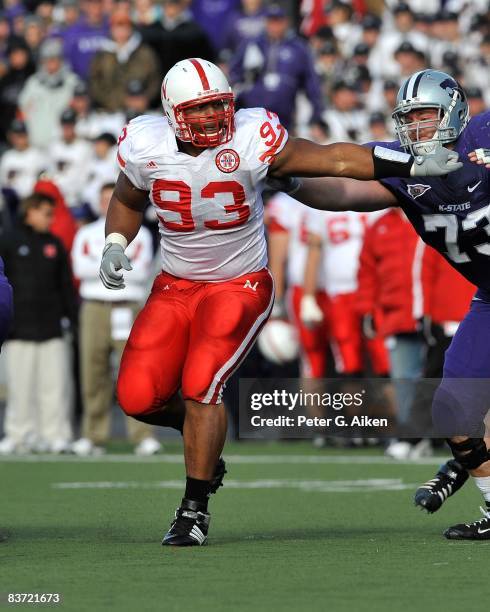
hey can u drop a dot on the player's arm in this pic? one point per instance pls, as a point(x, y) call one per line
point(126, 209)
point(300, 157)
point(123, 221)
point(278, 255)
point(336, 194)
point(310, 311)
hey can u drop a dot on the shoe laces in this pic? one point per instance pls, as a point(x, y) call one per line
point(486, 517)
point(442, 486)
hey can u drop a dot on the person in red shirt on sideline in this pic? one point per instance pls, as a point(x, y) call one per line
point(390, 301)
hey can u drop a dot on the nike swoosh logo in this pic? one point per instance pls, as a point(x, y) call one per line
point(471, 189)
point(483, 530)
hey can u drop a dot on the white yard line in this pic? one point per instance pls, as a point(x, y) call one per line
point(316, 486)
point(248, 459)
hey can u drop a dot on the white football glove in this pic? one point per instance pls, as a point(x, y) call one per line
point(483, 155)
point(113, 259)
point(309, 312)
point(442, 161)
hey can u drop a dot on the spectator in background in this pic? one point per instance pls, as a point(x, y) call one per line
point(85, 37)
point(63, 225)
point(392, 38)
point(344, 26)
point(5, 41)
point(319, 38)
point(477, 70)
point(19, 68)
point(17, 15)
point(371, 26)
point(90, 123)
point(382, 96)
point(69, 159)
point(329, 66)
point(46, 94)
point(105, 321)
point(146, 12)
point(136, 101)
point(446, 37)
point(211, 15)
point(270, 71)
point(102, 169)
point(67, 13)
point(22, 164)
point(475, 100)
point(34, 33)
point(122, 59)
point(38, 379)
point(409, 60)
point(243, 24)
point(378, 130)
point(347, 120)
point(177, 36)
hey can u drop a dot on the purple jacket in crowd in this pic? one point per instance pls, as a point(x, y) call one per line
point(80, 42)
point(241, 27)
point(210, 15)
point(270, 74)
point(6, 305)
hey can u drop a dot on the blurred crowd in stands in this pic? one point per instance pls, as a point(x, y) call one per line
point(73, 73)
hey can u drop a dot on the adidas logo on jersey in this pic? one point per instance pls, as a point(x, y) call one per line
point(151, 164)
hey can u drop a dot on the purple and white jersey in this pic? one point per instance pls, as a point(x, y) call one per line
point(452, 213)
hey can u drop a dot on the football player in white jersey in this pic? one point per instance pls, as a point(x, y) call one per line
point(335, 241)
point(203, 167)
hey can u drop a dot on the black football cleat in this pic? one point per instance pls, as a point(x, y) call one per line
point(449, 479)
point(479, 530)
point(217, 479)
point(189, 527)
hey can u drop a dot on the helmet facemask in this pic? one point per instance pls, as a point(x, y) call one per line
point(410, 132)
point(206, 130)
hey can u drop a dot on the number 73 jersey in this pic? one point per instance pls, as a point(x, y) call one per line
point(209, 207)
point(452, 213)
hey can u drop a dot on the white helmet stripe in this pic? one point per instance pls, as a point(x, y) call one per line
point(408, 92)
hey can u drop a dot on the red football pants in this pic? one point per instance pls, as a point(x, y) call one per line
point(313, 341)
point(347, 341)
point(191, 336)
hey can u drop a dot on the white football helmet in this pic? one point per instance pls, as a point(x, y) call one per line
point(194, 83)
point(278, 341)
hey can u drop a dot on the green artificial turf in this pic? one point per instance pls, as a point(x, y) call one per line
point(290, 543)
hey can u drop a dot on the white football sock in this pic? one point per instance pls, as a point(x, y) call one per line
point(483, 483)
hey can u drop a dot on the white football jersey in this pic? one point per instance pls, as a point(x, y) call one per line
point(209, 207)
point(342, 234)
point(292, 215)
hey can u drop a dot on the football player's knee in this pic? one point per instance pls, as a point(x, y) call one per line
point(470, 453)
point(455, 413)
point(136, 395)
